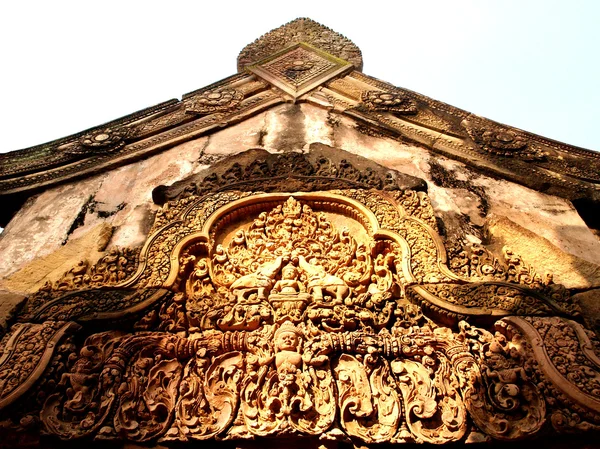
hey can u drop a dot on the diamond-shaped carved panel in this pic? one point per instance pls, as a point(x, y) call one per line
point(299, 69)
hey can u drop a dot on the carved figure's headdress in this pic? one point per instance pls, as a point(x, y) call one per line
point(288, 326)
point(290, 266)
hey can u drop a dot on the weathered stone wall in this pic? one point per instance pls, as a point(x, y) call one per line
point(58, 227)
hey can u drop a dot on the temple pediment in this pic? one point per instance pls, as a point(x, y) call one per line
point(299, 254)
point(305, 62)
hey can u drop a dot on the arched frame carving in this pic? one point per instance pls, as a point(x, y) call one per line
point(334, 315)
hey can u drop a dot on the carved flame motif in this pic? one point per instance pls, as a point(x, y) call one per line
point(290, 231)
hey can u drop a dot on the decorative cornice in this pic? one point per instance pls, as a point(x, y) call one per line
point(492, 148)
point(131, 137)
point(380, 108)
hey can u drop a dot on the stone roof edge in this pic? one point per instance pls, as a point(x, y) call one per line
point(566, 146)
point(167, 106)
point(169, 119)
point(128, 118)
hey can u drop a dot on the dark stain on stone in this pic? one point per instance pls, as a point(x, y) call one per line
point(109, 213)
point(454, 225)
point(79, 220)
point(589, 211)
point(292, 133)
point(91, 206)
point(261, 137)
point(148, 220)
point(446, 178)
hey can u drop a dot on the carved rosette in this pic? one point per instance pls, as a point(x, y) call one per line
point(214, 100)
point(318, 314)
point(388, 101)
point(502, 141)
point(106, 140)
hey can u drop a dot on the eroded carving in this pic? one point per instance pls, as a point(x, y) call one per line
point(501, 141)
point(214, 100)
point(388, 101)
point(294, 32)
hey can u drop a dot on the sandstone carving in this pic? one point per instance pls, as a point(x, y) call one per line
point(389, 101)
point(304, 293)
point(300, 30)
point(317, 314)
point(214, 100)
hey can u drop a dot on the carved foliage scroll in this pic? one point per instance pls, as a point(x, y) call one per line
point(310, 314)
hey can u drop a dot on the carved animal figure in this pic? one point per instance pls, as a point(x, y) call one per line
point(261, 280)
point(320, 281)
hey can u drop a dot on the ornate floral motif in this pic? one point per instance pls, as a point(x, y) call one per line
point(88, 305)
point(476, 262)
point(505, 142)
point(111, 269)
point(489, 299)
point(24, 354)
point(299, 69)
point(214, 100)
point(284, 172)
point(104, 140)
point(567, 366)
point(298, 66)
point(388, 101)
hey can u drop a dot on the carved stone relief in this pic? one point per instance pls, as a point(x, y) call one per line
point(388, 101)
point(294, 32)
point(504, 142)
point(214, 100)
point(299, 69)
point(330, 314)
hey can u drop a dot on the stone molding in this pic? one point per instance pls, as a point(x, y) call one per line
point(380, 109)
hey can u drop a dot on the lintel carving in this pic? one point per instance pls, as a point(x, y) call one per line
point(327, 314)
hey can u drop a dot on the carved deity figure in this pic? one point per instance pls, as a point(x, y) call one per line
point(288, 361)
point(261, 280)
point(320, 281)
point(289, 283)
point(287, 341)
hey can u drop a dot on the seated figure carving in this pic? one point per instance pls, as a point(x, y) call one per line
point(289, 283)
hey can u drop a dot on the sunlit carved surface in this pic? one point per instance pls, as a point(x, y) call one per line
point(331, 314)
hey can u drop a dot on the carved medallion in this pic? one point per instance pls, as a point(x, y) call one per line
point(504, 142)
point(299, 69)
point(103, 140)
point(388, 101)
point(214, 100)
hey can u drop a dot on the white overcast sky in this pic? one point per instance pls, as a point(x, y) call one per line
point(68, 66)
